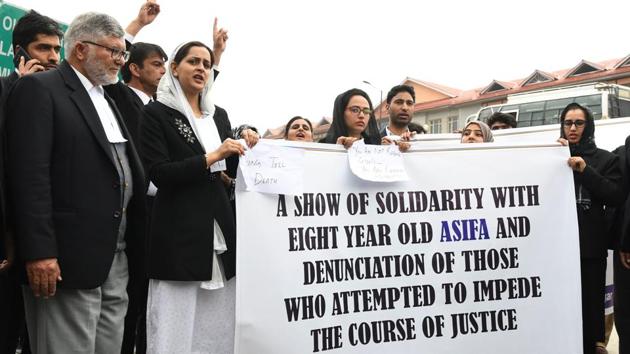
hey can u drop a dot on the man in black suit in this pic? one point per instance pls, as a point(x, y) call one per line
point(141, 73)
point(39, 38)
point(77, 186)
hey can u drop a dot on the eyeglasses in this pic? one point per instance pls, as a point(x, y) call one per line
point(578, 123)
point(117, 54)
point(356, 110)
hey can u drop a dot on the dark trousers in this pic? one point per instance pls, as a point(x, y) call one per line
point(593, 273)
point(135, 334)
point(622, 305)
point(12, 323)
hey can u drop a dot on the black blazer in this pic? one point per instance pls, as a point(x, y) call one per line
point(130, 106)
point(5, 85)
point(188, 200)
point(63, 178)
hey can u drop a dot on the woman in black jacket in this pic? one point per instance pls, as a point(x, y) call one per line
point(192, 240)
point(596, 177)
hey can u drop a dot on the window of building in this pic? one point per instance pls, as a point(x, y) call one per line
point(583, 68)
point(453, 125)
point(493, 87)
point(537, 77)
point(436, 126)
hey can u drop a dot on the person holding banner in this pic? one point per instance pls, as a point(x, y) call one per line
point(192, 240)
point(477, 132)
point(596, 177)
point(298, 129)
point(353, 119)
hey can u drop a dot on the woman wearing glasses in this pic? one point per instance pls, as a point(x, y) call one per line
point(596, 177)
point(353, 119)
point(192, 240)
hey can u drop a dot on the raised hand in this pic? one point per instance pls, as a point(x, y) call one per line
point(148, 12)
point(219, 38)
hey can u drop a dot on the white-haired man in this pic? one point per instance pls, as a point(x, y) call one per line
point(77, 186)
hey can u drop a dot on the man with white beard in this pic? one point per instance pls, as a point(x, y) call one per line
point(77, 186)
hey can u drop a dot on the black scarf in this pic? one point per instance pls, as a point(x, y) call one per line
point(586, 149)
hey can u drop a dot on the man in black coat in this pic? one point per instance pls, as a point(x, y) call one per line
point(37, 43)
point(78, 188)
point(142, 73)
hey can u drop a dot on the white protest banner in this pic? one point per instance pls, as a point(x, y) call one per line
point(477, 253)
point(273, 169)
point(377, 163)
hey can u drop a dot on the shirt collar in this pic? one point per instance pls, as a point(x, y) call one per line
point(389, 132)
point(143, 96)
point(86, 82)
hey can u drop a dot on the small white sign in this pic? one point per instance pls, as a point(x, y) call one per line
point(273, 169)
point(377, 163)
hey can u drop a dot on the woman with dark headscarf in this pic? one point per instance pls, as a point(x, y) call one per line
point(192, 240)
point(596, 177)
point(477, 132)
point(353, 119)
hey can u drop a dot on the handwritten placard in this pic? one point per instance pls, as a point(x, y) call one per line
point(377, 163)
point(273, 169)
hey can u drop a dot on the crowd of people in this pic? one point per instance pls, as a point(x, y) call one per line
point(117, 216)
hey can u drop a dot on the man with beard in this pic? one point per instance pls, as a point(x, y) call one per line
point(77, 187)
point(400, 103)
point(36, 46)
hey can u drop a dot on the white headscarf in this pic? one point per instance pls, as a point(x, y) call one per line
point(170, 93)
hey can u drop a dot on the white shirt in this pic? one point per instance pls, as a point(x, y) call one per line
point(104, 111)
point(152, 191)
point(210, 139)
point(389, 132)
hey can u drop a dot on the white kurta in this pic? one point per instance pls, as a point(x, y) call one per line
point(193, 316)
point(184, 318)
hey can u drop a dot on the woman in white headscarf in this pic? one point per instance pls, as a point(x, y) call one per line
point(185, 141)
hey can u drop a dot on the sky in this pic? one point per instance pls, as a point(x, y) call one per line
point(287, 58)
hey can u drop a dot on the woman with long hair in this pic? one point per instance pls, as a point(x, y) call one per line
point(353, 119)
